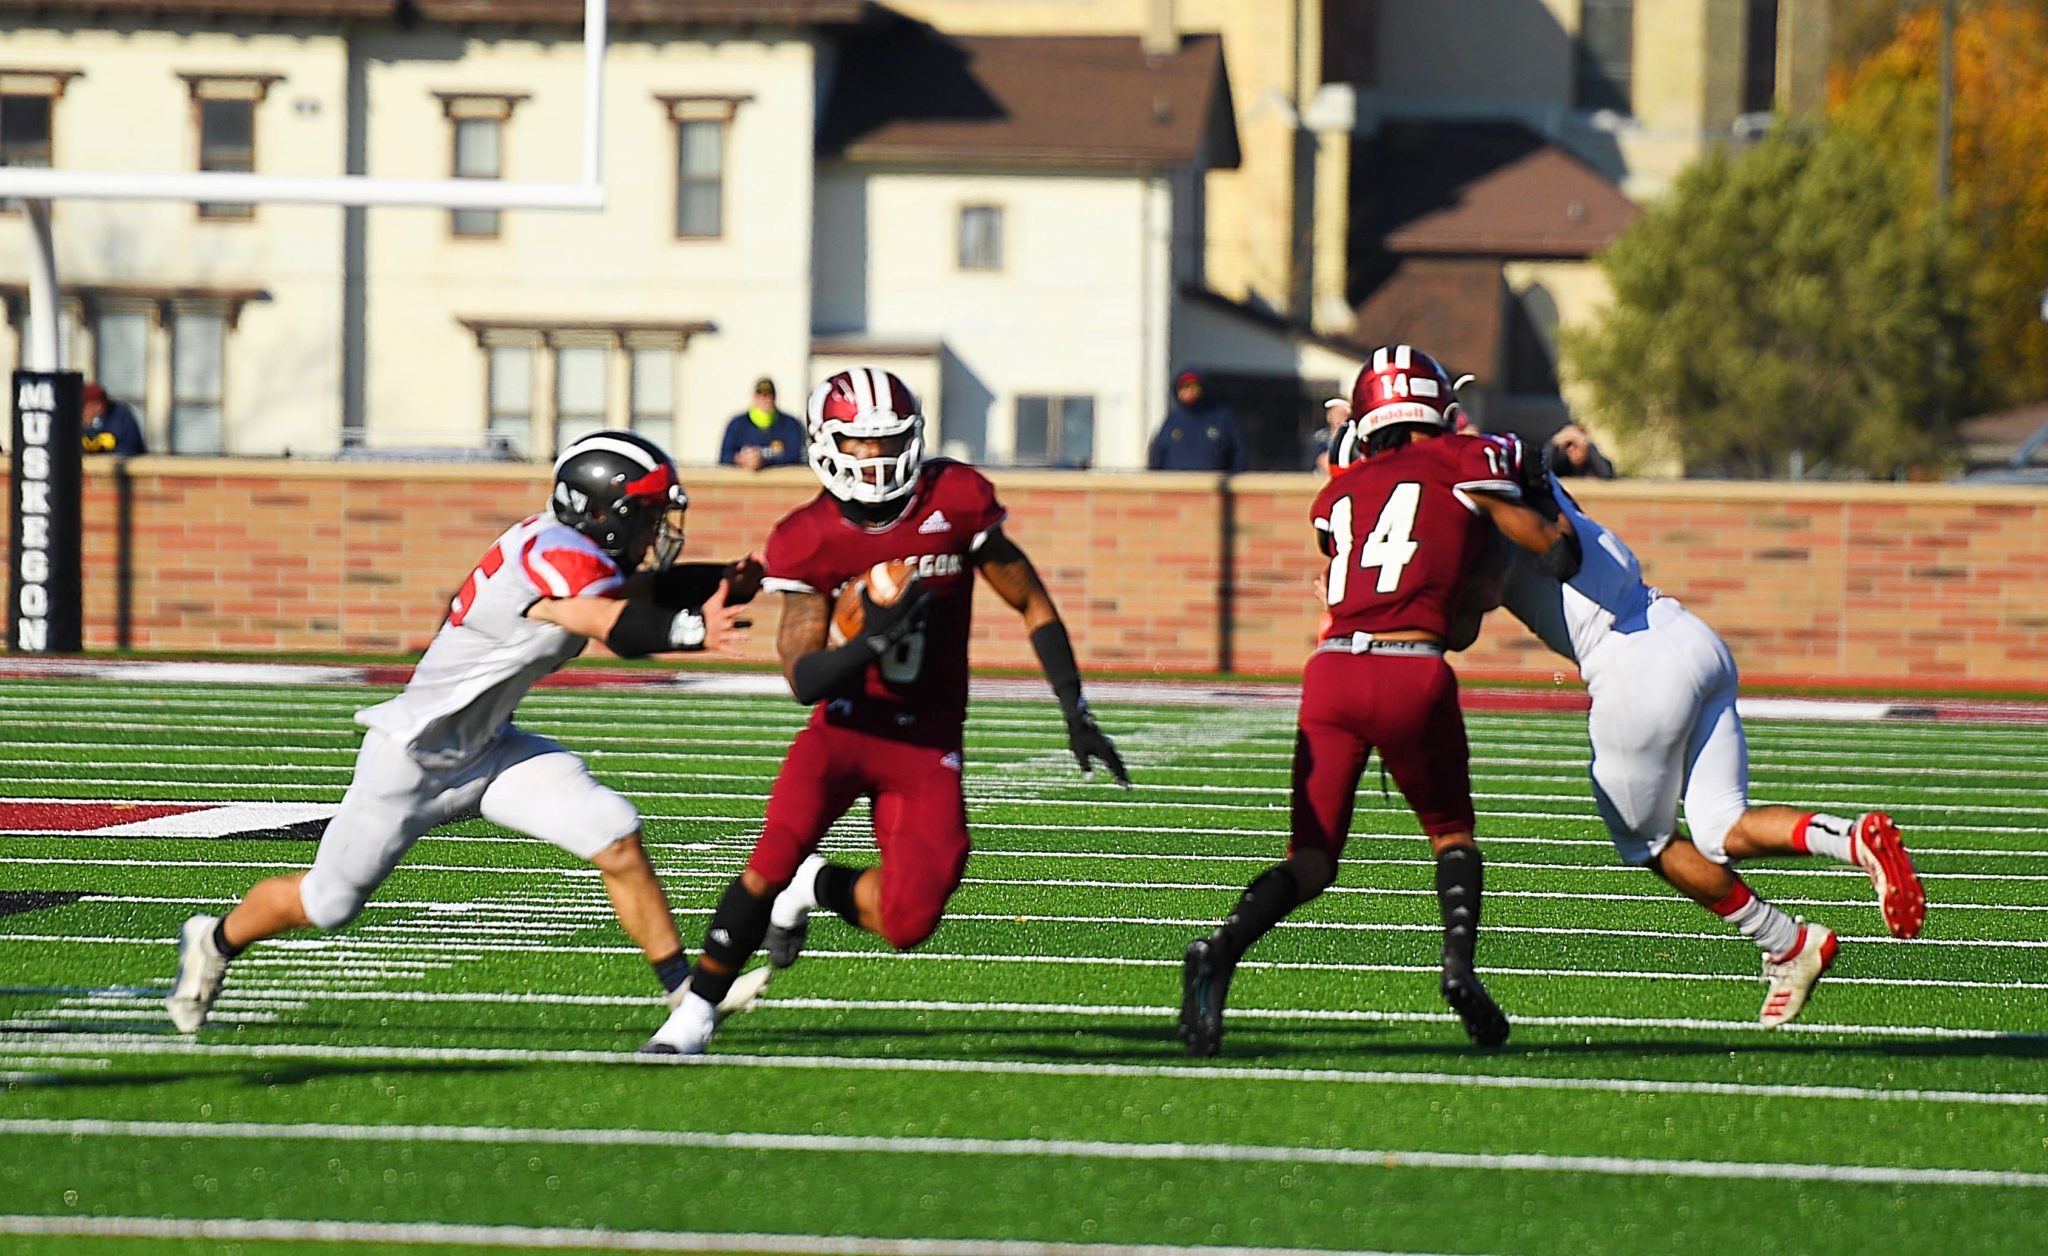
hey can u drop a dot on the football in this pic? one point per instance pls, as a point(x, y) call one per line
point(884, 582)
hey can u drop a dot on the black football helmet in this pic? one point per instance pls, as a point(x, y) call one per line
point(621, 491)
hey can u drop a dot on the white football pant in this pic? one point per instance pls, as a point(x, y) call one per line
point(521, 781)
point(1664, 724)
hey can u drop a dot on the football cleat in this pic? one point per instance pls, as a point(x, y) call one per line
point(1793, 975)
point(1880, 851)
point(1484, 1022)
point(789, 920)
point(1204, 984)
point(746, 991)
point(201, 971)
point(687, 1031)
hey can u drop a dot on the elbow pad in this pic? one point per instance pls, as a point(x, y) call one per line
point(1561, 561)
point(646, 627)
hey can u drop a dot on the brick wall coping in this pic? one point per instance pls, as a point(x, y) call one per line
point(1291, 483)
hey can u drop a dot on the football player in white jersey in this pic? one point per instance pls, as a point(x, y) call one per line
point(597, 564)
point(1663, 726)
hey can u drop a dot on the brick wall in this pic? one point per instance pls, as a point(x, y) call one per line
point(1819, 584)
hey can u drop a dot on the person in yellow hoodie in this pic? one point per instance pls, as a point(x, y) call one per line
point(762, 435)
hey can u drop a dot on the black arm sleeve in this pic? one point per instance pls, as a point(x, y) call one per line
point(1561, 561)
point(645, 627)
point(1056, 655)
point(828, 673)
point(686, 584)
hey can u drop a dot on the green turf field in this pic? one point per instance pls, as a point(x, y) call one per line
point(457, 1069)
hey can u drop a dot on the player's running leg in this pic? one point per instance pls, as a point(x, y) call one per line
point(1870, 841)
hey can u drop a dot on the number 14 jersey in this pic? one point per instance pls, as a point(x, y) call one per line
point(1402, 533)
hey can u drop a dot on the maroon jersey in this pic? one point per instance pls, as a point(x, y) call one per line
point(919, 689)
point(1403, 534)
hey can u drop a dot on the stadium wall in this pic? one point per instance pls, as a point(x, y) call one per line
point(1817, 584)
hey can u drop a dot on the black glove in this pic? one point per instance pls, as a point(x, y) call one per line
point(884, 626)
point(1088, 742)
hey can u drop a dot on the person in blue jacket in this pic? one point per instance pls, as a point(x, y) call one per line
point(762, 435)
point(1199, 434)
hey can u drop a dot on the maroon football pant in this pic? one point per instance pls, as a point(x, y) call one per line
point(1407, 707)
point(920, 819)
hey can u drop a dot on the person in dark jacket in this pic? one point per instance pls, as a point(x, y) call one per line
point(110, 426)
point(1199, 434)
point(762, 435)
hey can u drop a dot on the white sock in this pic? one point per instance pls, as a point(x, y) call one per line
point(1774, 932)
point(1823, 834)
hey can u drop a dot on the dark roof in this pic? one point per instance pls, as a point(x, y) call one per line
point(1450, 306)
point(554, 12)
point(905, 92)
point(1492, 189)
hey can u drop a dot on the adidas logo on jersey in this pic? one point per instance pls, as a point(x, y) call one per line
point(937, 523)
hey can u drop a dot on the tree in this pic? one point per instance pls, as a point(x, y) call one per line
point(1780, 303)
point(1998, 211)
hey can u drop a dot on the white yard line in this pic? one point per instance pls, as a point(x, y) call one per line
point(1085, 1149)
point(62, 1050)
point(543, 1238)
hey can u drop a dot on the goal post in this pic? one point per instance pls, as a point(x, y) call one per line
point(46, 402)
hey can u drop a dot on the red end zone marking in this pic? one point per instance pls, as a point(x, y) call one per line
point(78, 817)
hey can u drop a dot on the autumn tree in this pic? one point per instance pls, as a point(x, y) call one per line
point(1997, 211)
point(1780, 305)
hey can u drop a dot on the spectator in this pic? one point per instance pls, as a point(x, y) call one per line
point(762, 435)
point(1336, 413)
point(1572, 452)
point(1199, 434)
point(110, 426)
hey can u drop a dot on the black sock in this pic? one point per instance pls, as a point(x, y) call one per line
point(1460, 876)
point(732, 937)
point(672, 971)
point(835, 890)
point(220, 939)
point(1266, 901)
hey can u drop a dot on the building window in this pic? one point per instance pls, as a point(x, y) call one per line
point(1054, 431)
point(224, 115)
point(1760, 64)
point(579, 392)
point(477, 137)
point(700, 178)
point(701, 125)
point(654, 393)
point(981, 237)
point(198, 362)
point(510, 422)
point(1606, 55)
point(24, 134)
point(120, 349)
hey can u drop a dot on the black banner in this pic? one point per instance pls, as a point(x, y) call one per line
point(44, 588)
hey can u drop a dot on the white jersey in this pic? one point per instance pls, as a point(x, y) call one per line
point(1606, 596)
point(488, 653)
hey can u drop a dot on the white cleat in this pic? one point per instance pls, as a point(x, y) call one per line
point(201, 970)
point(687, 1031)
point(789, 920)
point(1793, 975)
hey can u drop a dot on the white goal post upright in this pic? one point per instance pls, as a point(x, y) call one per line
point(40, 186)
point(44, 587)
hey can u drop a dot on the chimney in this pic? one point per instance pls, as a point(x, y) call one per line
point(1161, 37)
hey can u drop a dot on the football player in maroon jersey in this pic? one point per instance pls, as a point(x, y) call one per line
point(1403, 529)
point(889, 705)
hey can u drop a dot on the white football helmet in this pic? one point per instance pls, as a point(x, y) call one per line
point(866, 403)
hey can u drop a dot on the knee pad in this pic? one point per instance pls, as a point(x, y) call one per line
point(329, 904)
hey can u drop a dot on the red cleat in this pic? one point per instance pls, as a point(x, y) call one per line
point(1880, 851)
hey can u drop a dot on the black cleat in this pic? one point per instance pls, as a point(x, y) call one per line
point(1485, 1023)
point(784, 945)
point(1204, 984)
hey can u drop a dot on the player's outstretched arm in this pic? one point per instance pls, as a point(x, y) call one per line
point(637, 626)
point(1553, 542)
point(1010, 573)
